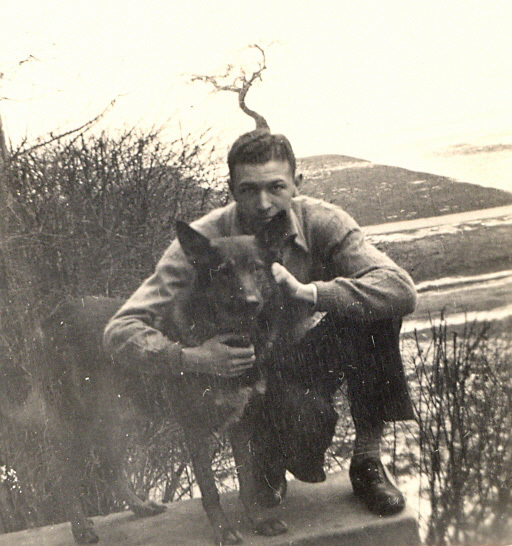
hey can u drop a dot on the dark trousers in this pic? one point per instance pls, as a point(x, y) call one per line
point(294, 423)
point(365, 356)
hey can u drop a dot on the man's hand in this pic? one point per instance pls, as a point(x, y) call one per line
point(293, 287)
point(217, 357)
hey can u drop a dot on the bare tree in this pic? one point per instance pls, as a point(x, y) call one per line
point(240, 84)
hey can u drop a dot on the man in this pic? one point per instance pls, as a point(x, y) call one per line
point(327, 267)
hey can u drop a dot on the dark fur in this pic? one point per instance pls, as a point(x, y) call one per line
point(92, 400)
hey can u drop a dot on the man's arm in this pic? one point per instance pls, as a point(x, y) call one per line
point(366, 284)
point(132, 336)
point(134, 339)
point(357, 281)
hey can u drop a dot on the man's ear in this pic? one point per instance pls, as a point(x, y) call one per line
point(298, 182)
point(197, 247)
point(231, 186)
point(274, 235)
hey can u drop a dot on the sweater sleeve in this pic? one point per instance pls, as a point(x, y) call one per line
point(362, 282)
point(132, 337)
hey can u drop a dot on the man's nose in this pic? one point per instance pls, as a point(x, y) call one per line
point(264, 202)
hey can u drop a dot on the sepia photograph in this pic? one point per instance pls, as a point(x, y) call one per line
point(256, 273)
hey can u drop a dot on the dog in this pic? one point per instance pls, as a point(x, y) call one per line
point(92, 399)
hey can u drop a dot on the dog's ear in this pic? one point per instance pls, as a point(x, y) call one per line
point(274, 235)
point(197, 247)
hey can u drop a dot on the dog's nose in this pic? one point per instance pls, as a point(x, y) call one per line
point(252, 304)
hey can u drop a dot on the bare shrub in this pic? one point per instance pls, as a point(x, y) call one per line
point(461, 445)
point(86, 215)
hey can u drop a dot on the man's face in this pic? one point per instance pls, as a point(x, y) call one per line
point(261, 191)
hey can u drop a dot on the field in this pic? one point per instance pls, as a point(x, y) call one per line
point(464, 272)
point(376, 194)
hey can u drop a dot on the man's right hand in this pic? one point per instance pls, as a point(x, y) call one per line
point(217, 357)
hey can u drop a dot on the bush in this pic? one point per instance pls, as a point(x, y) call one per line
point(87, 216)
point(461, 446)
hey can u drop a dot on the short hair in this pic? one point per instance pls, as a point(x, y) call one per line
point(257, 147)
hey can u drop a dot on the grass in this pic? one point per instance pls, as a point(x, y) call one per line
point(481, 250)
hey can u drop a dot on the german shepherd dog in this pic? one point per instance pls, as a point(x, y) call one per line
point(92, 399)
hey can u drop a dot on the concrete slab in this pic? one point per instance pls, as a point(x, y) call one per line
point(316, 514)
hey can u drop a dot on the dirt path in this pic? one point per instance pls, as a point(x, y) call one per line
point(447, 219)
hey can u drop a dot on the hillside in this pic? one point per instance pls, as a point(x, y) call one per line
point(376, 194)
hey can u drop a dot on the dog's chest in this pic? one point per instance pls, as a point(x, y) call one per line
point(209, 404)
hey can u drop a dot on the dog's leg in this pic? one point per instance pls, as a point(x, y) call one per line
point(260, 518)
point(269, 468)
point(199, 451)
point(122, 489)
point(112, 454)
point(71, 453)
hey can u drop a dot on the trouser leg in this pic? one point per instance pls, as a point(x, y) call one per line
point(301, 385)
point(293, 430)
point(364, 356)
point(298, 408)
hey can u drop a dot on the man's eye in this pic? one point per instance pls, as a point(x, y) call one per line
point(276, 188)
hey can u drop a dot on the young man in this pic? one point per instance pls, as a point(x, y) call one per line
point(327, 268)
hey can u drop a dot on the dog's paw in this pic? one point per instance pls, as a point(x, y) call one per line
point(83, 533)
point(148, 509)
point(271, 527)
point(228, 535)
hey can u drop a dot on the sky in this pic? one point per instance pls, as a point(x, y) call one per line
point(421, 85)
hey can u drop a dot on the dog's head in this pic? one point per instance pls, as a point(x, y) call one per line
point(233, 273)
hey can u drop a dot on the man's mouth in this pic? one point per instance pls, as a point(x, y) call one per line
point(265, 219)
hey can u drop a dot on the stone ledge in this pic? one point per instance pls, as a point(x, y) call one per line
point(316, 514)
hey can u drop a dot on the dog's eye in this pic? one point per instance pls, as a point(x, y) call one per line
point(225, 269)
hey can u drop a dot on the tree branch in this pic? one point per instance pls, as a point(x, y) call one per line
point(54, 138)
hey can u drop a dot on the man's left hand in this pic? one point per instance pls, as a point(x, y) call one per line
point(293, 287)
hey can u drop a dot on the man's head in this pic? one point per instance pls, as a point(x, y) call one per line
point(262, 176)
point(257, 147)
